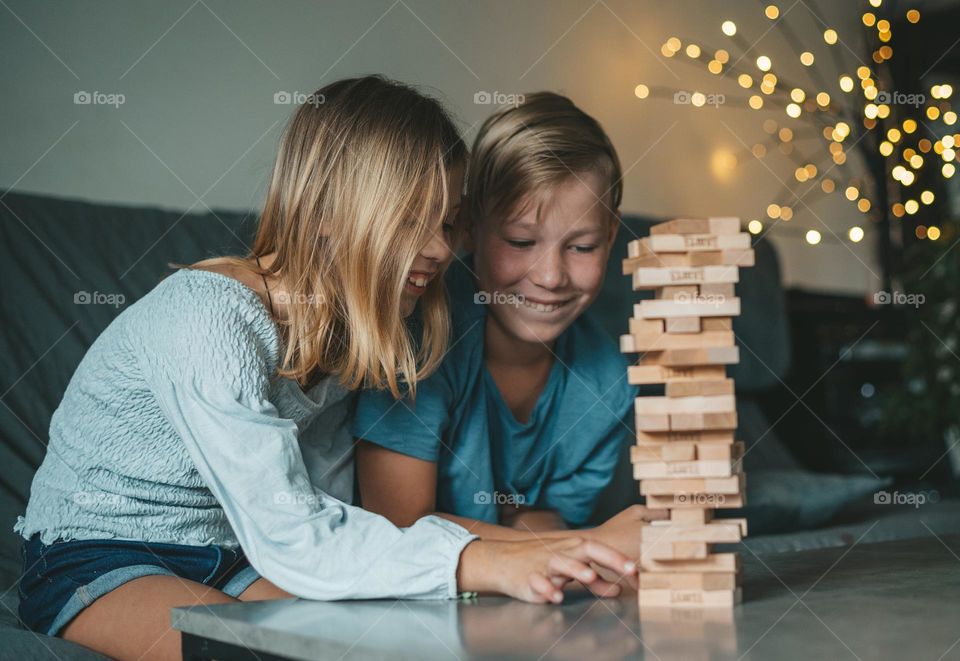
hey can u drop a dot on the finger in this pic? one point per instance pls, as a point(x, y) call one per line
point(544, 590)
point(569, 566)
point(603, 555)
point(604, 589)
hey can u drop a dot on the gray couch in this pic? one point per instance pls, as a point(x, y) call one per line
point(53, 249)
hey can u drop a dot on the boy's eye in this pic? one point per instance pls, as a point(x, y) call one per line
point(519, 243)
point(584, 249)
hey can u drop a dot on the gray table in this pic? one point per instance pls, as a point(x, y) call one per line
point(893, 600)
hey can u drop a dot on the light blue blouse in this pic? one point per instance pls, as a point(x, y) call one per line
point(176, 429)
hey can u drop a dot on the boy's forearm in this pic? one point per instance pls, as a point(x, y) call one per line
point(492, 531)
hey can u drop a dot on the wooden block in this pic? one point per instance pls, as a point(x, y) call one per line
point(673, 292)
point(718, 531)
point(714, 562)
point(734, 257)
point(700, 404)
point(720, 225)
point(694, 388)
point(663, 452)
point(697, 501)
point(636, 342)
point(681, 324)
point(687, 452)
point(697, 436)
point(688, 581)
point(690, 598)
point(653, 422)
point(718, 290)
point(731, 486)
point(653, 277)
point(715, 323)
point(663, 524)
point(698, 468)
point(657, 373)
point(697, 421)
point(674, 550)
point(691, 516)
point(703, 356)
point(695, 242)
point(698, 307)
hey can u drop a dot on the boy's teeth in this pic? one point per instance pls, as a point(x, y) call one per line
point(540, 307)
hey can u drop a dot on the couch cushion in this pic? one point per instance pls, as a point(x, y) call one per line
point(66, 264)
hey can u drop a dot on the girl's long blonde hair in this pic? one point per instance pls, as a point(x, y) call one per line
point(359, 187)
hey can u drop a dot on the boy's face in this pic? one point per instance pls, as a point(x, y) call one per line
point(541, 274)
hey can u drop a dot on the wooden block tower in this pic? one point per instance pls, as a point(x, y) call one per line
point(686, 457)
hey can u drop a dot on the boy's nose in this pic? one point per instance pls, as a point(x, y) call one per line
point(548, 271)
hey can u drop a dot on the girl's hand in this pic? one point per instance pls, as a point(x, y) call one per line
point(538, 570)
point(622, 531)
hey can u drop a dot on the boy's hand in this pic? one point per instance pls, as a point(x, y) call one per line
point(622, 531)
point(538, 570)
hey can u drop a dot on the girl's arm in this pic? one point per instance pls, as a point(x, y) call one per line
point(403, 489)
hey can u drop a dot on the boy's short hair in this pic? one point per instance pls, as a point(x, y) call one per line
point(534, 146)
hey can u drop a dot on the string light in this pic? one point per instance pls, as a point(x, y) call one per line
point(909, 154)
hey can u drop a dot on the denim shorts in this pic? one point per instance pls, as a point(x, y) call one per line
point(60, 580)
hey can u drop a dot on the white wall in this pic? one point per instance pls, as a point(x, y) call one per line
point(199, 79)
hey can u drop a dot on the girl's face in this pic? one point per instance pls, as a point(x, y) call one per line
point(541, 274)
point(437, 252)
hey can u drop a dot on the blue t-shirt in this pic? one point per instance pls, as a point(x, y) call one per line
point(560, 459)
